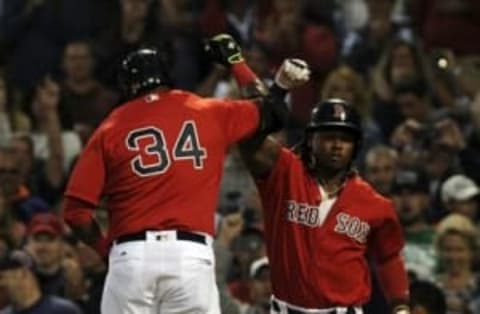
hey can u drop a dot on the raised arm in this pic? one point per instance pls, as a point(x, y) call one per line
point(260, 152)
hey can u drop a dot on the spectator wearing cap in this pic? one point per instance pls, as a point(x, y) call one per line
point(247, 247)
point(460, 194)
point(457, 246)
point(410, 193)
point(229, 226)
point(57, 275)
point(23, 289)
point(260, 287)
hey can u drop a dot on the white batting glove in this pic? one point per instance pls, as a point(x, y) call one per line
point(292, 73)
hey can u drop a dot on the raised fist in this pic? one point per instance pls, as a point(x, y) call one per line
point(292, 73)
point(224, 49)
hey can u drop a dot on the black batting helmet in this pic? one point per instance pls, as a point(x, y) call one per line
point(141, 71)
point(331, 114)
point(335, 114)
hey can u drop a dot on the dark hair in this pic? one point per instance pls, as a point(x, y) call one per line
point(426, 294)
point(304, 151)
point(415, 47)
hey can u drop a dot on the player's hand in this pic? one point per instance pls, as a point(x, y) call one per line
point(292, 73)
point(223, 49)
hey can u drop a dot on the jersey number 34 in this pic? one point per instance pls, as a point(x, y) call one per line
point(154, 158)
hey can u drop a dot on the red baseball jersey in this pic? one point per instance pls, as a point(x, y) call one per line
point(317, 265)
point(158, 160)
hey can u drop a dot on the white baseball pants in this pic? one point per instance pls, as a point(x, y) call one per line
point(161, 275)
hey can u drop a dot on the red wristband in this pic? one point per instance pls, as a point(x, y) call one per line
point(243, 74)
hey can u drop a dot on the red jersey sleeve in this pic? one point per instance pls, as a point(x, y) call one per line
point(387, 243)
point(238, 118)
point(387, 238)
point(88, 176)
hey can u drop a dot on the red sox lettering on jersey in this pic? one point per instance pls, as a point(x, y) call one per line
point(352, 226)
point(308, 215)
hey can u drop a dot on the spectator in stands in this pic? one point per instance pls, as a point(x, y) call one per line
point(247, 247)
point(381, 165)
point(361, 49)
point(37, 175)
point(401, 61)
point(94, 269)
point(260, 287)
point(19, 199)
point(410, 193)
point(35, 32)
point(423, 128)
point(22, 287)
point(461, 195)
point(57, 275)
point(84, 100)
point(237, 18)
point(12, 119)
point(56, 146)
point(457, 245)
point(180, 20)
point(426, 298)
point(344, 83)
point(133, 25)
point(443, 23)
point(14, 231)
point(468, 143)
point(230, 226)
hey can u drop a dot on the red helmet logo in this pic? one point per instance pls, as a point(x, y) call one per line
point(339, 112)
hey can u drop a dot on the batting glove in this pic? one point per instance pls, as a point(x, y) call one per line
point(292, 73)
point(224, 49)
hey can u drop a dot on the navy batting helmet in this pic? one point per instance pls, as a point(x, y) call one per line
point(335, 114)
point(331, 114)
point(141, 71)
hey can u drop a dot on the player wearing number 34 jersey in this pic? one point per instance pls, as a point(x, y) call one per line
point(157, 160)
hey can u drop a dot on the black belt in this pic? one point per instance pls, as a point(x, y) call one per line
point(181, 235)
point(276, 308)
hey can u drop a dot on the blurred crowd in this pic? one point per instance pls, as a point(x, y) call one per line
point(411, 67)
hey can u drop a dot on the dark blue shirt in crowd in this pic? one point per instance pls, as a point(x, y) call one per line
point(52, 284)
point(48, 305)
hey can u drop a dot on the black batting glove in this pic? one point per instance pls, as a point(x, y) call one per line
point(223, 49)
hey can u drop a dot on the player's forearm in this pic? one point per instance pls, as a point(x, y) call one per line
point(248, 82)
point(394, 281)
point(79, 216)
point(272, 108)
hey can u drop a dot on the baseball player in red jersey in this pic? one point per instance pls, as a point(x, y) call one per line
point(322, 220)
point(158, 160)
